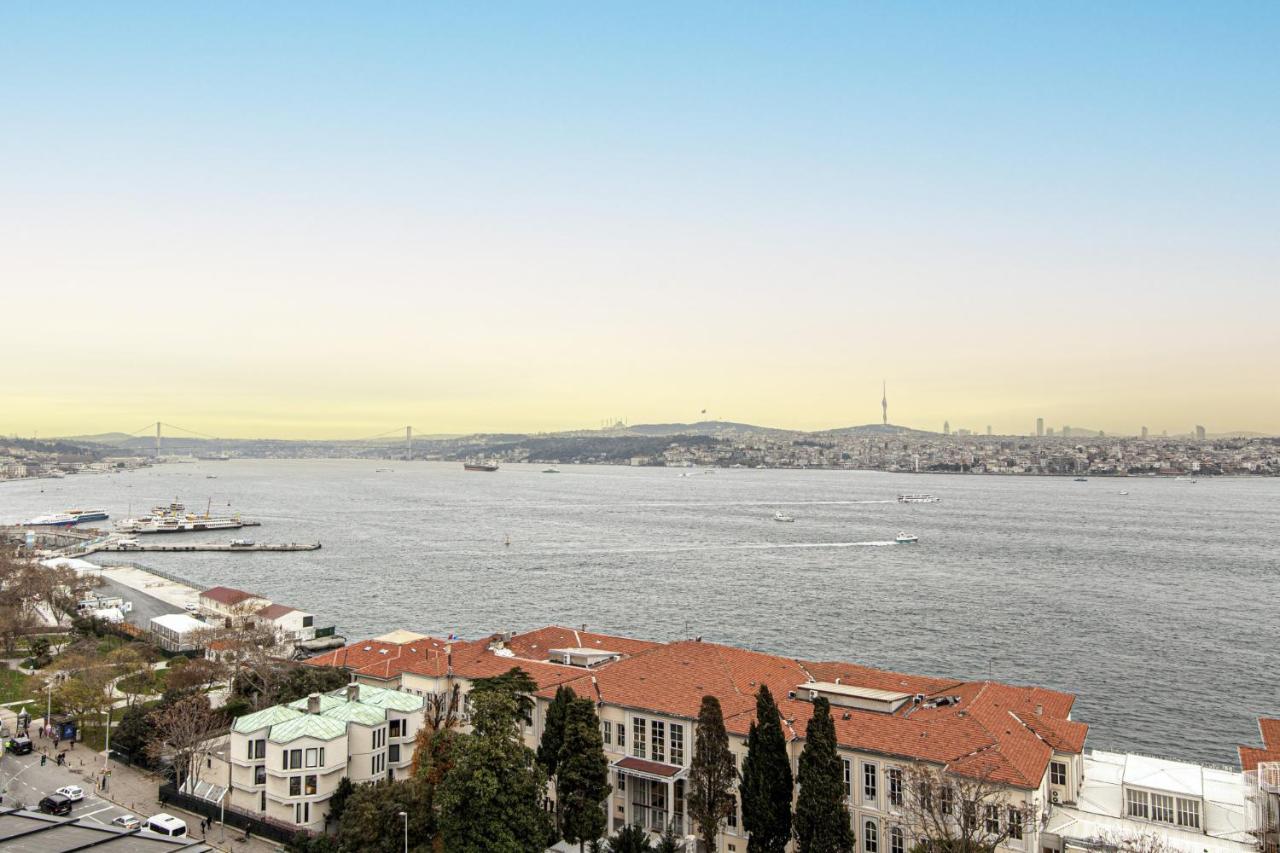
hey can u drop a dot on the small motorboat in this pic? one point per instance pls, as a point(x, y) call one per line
point(1124, 491)
point(906, 539)
point(1082, 479)
point(782, 516)
point(552, 470)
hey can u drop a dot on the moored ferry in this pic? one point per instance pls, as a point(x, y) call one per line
point(68, 518)
point(479, 465)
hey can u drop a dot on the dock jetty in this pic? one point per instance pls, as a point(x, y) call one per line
point(208, 546)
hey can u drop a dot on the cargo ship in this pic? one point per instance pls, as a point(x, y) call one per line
point(479, 465)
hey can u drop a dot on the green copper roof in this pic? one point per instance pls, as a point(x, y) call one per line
point(265, 718)
point(395, 700)
point(327, 701)
point(308, 725)
point(356, 712)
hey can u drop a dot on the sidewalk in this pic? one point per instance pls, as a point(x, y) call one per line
point(136, 791)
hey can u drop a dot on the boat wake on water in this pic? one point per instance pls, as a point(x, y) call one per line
point(746, 546)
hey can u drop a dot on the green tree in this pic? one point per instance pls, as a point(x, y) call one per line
point(766, 780)
point(132, 734)
point(338, 802)
point(630, 839)
point(669, 842)
point(491, 800)
point(822, 818)
point(515, 682)
point(553, 729)
point(583, 781)
point(371, 821)
point(711, 775)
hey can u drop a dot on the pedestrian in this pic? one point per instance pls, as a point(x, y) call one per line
point(44, 759)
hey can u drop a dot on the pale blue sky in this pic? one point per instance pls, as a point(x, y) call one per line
point(534, 215)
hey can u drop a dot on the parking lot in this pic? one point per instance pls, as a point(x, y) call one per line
point(24, 782)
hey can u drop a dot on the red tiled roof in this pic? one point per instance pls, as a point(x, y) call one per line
point(534, 645)
point(653, 768)
point(1252, 756)
point(274, 611)
point(227, 595)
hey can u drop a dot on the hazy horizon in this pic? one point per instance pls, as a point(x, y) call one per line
point(322, 221)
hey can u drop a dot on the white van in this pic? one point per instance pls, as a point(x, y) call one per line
point(167, 824)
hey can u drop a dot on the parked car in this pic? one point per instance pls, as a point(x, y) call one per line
point(55, 804)
point(127, 821)
point(20, 745)
point(74, 793)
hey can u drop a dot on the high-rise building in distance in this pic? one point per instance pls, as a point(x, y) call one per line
point(1039, 427)
point(1199, 433)
point(1066, 431)
point(946, 427)
point(1144, 432)
point(884, 401)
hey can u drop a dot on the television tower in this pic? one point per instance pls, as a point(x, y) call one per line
point(884, 401)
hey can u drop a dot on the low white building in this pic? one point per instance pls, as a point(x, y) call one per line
point(178, 632)
point(1124, 797)
point(290, 626)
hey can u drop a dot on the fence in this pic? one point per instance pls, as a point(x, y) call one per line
point(160, 573)
point(248, 823)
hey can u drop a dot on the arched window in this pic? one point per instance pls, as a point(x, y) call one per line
point(897, 841)
point(870, 837)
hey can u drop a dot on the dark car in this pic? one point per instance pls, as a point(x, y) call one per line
point(20, 745)
point(56, 804)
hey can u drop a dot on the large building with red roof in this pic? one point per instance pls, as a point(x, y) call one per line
point(1261, 766)
point(1019, 741)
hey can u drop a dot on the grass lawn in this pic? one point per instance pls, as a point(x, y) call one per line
point(14, 685)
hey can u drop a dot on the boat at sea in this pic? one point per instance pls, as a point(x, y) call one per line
point(918, 499)
point(1191, 480)
point(782, 516)
point(906, 539)
point(174, 518)
point(70, 518)
point(552, 470)
point(1081, 480)
point(1124, 491)
point(479, 465)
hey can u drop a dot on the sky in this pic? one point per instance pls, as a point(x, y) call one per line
point(318, 220)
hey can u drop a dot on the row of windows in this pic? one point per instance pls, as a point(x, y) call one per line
point(302, 813)
point(378, 763)
point(1164, 808)
point(379, 738)
point(294, 758)
point(651, 739)
point(300, 784)
point(871, 782)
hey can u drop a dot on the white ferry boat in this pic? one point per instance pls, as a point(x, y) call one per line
point(918, 499)
point(907, 539)
point(68, 518)
point(179, 524)
point(782, 516)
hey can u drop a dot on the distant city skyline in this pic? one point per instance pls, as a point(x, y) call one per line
point(263, 223)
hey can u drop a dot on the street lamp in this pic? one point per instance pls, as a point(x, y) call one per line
point(405, 816)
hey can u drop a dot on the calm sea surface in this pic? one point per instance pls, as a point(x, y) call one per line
point(1158, 609)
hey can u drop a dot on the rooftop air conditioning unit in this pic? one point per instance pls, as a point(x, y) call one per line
point(1053, 797)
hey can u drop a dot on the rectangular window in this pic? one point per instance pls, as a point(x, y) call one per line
point(260, 775)
point(308, 621)
point(313, 755)
point(1057, 773)
point(260, 750)
point(848, 778)
point(1162, 808)
point(622, 779)
point(677, 807)
point(622, 737)
point(1136, 804)
point(947, 799)
point(992, 819)
point(295, 759)
point(310, 785)
point(262, 802)
point(639, 727)
point(1188, 813)
point(869, 782)
point(897, 840)
point(322, 756)
point(295, 786)
point(731, 820)
point(606, 733)
point(658, 741)
point(677, 744)
point(895, 785)
point(969, 816)
point(1015, 823)
point(393, 753)
point(395, 728)
point(926, 795)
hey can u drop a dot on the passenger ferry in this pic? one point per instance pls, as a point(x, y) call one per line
point(479, 465)
point(68, 518)
point(918, 499)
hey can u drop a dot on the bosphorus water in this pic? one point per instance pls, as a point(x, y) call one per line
point(1157, 608)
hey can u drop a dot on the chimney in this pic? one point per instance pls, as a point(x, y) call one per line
point(313, 703)
point(353, 692)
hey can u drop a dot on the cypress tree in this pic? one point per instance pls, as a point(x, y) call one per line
point(766, 780)
point(582, 784)
point(822, 818)
point(711, 774)
point(553, 730)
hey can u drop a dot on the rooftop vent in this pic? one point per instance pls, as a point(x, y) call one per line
point(851, 696)
point(313, 703)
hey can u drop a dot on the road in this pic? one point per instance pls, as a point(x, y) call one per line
point(144, 606)
point(24, 782)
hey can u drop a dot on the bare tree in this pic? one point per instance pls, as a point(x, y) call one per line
point(1119, 842)
point(249, 646)
point(183, 732)
point(955, 812)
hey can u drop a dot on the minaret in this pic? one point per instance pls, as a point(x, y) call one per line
point(884, 401)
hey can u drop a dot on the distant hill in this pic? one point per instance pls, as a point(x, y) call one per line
point(875, 429)
point(101, 438)
point(703, 428)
